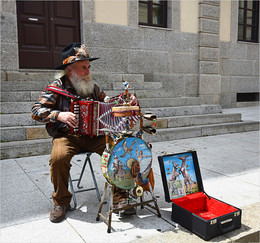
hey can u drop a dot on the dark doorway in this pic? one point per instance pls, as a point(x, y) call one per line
point(44, 28)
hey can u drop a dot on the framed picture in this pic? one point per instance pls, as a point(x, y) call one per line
point(180, 174)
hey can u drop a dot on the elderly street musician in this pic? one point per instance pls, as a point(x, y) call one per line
point(54, 108)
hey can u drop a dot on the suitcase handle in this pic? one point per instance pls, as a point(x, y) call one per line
point(227, 228)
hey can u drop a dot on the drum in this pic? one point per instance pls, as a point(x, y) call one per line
point(128, 162)
point(122, 111)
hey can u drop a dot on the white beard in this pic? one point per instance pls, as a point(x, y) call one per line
point(83, 85)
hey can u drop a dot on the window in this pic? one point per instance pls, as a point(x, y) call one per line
point(248, 17)
point(153, 13)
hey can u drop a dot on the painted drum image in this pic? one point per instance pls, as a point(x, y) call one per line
point(130, 161)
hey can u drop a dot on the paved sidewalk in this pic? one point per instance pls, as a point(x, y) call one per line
point(230, 172)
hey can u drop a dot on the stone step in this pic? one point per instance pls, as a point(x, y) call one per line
point(23, 117)
point(17, 149)
point(164, 103)
point(16, 107)
point(138, 86)
point(200, 131)
point(49, 75)
point(168, 102)
point(24, 96)
point(183, 110)
point(18, 133)
point(195, 120)
point(25, 148)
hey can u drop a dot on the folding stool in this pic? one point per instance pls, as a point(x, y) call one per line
point(73, 192)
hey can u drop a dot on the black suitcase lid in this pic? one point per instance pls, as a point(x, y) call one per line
point(178, 170)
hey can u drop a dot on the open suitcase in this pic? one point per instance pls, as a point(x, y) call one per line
point(192, 208)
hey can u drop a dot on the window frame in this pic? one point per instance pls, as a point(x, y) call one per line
point(150, 5)
point(246, 25)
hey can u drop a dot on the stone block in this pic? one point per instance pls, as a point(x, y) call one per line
point(9, 56)
point(133, 16)
point(225, 84)
point(191, 85)
point(113, 36)
point(209, 25)
point(210, 84)
point(111, 60)
point(244, 84)
point(209, 11)
point(35, 95)
point(252, 51)
point(228, 100)
point(210, 99)
point(208, 54)
point(37, 132)
point(173, 82)
point(15, 96)
point(8, 29)
point(237, 67)
point(138, 86)
point(25, 148)
point(12, 134)
point(155, 39)
point(8, 7)
point(238, 51)
point(256, 68)
point(140, 61)
point(174, 134)
point(181, 41)
point(160, 123)
point(88, 10)
point(207, 67)
point(16, 107)
point(230, 128)
point(184, 63)
point(106, 79)
point(208, 39)
point(135, 78)
point(224, 50)
point(8, 120)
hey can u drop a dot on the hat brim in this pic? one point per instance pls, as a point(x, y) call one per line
point(63, 66)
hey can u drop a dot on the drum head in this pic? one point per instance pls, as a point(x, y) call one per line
point(126, 152)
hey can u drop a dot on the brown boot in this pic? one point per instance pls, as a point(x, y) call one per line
point(58, 212)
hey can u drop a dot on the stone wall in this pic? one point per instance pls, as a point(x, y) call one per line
point(239, 65)
point(9, 36)
point(188, 64)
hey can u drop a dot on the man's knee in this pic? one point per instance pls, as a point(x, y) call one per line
point(60, 160)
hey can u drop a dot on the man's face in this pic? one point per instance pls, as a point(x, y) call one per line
point(81, 68)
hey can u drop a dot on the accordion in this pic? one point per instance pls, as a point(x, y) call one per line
point(93, 116)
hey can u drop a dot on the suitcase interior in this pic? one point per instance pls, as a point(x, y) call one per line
point(204, 206)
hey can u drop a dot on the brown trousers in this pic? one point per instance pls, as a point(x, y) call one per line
point(64, 148)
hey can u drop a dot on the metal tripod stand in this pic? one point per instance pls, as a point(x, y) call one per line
point(142, 203)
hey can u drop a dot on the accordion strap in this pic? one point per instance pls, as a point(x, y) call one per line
point(62, 92)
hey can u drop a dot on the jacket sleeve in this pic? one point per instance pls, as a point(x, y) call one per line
point(44, 109)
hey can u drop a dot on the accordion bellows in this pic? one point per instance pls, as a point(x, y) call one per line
point(94, 116)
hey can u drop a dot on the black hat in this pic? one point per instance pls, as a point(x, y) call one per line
point(73, 53)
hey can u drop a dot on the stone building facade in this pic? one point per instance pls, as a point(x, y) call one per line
point(197, 55)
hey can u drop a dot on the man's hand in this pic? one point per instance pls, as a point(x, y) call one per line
point(68, 118)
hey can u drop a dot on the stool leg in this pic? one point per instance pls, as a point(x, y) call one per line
point(82, 171)
point(73, 195)
point(94, 180)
